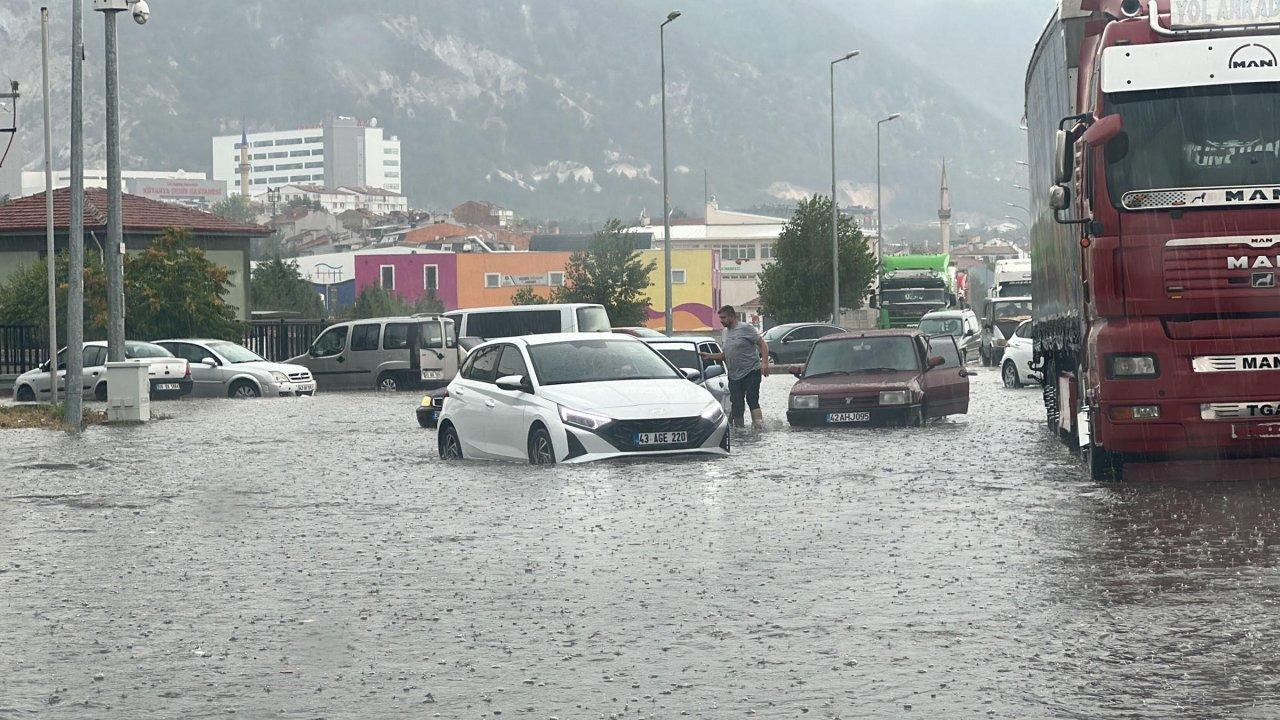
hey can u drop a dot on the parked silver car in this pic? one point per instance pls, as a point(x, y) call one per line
point(683, 353)
point(224, 369)
point(962, 325)
point(170, 376)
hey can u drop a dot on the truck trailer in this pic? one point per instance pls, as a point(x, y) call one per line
point(1155, 168)
point(913, 285)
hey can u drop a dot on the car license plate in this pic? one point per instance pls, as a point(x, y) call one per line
point(661, 438)
point(852, 417)
point(432, 374)
point(168, 386)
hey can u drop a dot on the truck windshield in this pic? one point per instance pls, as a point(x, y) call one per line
point(913, 296)
point(1195, 138)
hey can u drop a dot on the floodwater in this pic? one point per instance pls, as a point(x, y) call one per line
point(311, 558)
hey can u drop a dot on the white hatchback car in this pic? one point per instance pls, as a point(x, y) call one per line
point(575, 398)
point(1015, 366)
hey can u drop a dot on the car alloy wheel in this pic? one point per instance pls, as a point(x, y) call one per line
point(244, 391)
point(387, 383)
point(450, 444)
point(541, 450)
point(1010, 375)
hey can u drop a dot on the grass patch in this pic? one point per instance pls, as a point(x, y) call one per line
point(46, 417)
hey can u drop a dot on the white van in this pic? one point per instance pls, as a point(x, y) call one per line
point(392, 353)
point(502, 322)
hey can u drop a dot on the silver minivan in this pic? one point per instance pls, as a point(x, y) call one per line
point(492, 323)
point(392, 353)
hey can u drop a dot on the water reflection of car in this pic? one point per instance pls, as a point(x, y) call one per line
point(1015, 364)
point(791, 343)
point(960, 324)
point(170, 377)
point(885, 376)
point(225, 369)
point(643, 333)
point(683, 353)
point(1001, 317)
point(573, 398)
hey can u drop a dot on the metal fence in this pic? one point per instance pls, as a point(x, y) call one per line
point(22, 347)
point(281, 339)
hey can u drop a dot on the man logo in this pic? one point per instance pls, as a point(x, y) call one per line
point(1264, 280)
point(1252, 55)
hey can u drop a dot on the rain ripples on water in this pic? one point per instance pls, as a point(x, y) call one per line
point(312, 558)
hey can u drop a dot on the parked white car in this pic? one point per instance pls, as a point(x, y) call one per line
point(170, 377)
point(224, 369)
point(1015, 365)
point(573, 398)
point(683, 353)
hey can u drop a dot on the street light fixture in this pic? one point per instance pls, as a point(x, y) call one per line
point(879, 206)
point(835, 204)
point(666, 195)
point(1016, 186)
point(115, 221)
point(1015, 205)
point(1017, 220)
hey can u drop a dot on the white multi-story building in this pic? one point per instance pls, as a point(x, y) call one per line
point(341, 151)
point(339, 200)
point(33, 180)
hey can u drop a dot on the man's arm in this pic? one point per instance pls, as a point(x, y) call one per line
point(712, 356)
point(764, 356)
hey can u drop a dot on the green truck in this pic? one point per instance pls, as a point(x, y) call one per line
point(911, 286)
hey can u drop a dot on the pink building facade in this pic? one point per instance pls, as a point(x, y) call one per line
point(411, 277)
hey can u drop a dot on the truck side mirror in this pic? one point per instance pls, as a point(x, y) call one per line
point(873, 302)
point(1062, 156)
point(1059, 198)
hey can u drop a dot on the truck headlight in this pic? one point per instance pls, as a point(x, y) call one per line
point(279, 377)
point(893, 397)
point(804, 402)
point(1132, 366)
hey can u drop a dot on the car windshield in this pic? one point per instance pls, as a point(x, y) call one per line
point(921, 295)
point(1012, 310)
point(137, 350)
point(1226, 136)
point(859, 355)
point(942, 326)
point(776, 332)
point(235, 353)
point(682, 356)
point(584, 361)
point(593, 319)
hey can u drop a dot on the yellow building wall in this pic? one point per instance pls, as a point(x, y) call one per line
point(695, 301)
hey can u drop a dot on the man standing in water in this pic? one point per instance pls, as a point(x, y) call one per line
point(747, 357)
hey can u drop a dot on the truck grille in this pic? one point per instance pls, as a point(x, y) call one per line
point(1210, 271)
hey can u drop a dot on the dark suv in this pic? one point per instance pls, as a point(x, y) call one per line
point(791, 343)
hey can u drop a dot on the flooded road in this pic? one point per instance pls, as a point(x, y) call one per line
point(312, 558)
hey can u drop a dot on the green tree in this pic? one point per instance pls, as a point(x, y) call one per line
point(527, 296)
point(24, 296)
point(609, 272)
point(277, 285)
point(173, 290)
point(375, 301)
point(796, 286)
point(429, 303)
point(235, 207)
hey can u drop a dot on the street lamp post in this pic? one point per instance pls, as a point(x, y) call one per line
point(879, 206)
point(115, 221)
point(1015, 205)
point(835, 204)
point(666, 195)
point(75, 232)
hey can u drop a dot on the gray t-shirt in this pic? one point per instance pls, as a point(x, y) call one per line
point(741, 350)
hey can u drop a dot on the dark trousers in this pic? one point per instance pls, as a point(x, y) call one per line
point(746, 388)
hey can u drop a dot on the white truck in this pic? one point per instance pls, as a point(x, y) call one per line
point(1012, 278)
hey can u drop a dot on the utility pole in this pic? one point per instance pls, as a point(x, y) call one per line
point(51, 255)
point(666, 195)
point(115, 221)
point(835, 203)
point(75, 234)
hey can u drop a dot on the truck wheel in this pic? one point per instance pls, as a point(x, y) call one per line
point(1009, 373)
point(387, 382)
point(25, 394)
point(1104, 465)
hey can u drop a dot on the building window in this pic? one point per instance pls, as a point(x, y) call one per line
point(317, 177)
point(677, 276)
point(289, 141)
point(392, 174)
point(387, 276)
point(738, 252)
point(315, 165)
point(390, 150)
point(290, 166)
point(299, 153)
point(391, 163)
point(492, 280)
point(319, 139)
point(259, 156)
point(281, 179)
point(555, 278)
point(299, 178)
point(430, 277)
point(766, 251)
point(318, 152)
point(259, 181)
point(264, 143)
point(275, 155)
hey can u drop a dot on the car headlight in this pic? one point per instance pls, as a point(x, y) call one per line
point(894, 397)
point(1127, 366)
point(279, 377)
point(804, 402)
point(585, 420)
point(713, 413)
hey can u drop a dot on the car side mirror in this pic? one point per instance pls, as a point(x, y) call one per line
point(209, 361)
point(970, 332)
point(936, 361)
point(514, 383)
point(692, 374)
point(712, 371)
